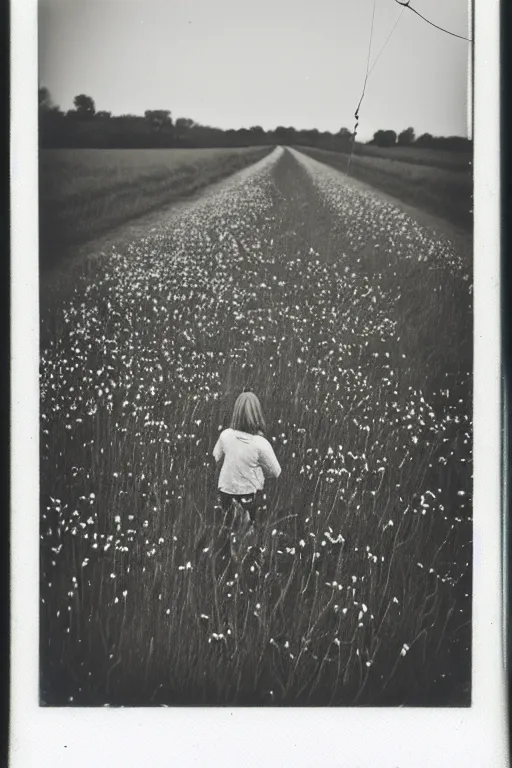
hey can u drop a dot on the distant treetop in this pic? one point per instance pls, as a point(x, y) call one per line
point(84, 105)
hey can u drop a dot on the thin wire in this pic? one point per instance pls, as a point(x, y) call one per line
point(364, 86)
point(369, 70)
point(409, 6)
point(368, 59)
point(386, 42)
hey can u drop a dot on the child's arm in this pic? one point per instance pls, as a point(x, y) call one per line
point(218, 451)
point(218, 467)
point(218, 455)
point(268, 461)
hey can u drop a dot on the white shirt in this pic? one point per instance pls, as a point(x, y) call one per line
point(248, 460)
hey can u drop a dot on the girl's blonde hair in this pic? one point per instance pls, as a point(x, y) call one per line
point(247, 414)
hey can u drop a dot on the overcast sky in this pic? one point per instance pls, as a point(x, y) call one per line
point(234, 63)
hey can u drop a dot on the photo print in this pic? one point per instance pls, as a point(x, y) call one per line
point(256, 353)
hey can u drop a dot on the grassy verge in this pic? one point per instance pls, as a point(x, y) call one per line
point(444, 192)
point(436, 158)
point(87, 192)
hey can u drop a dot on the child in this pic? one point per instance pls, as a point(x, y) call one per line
point(246, 455)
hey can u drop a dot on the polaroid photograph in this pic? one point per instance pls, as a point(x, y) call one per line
point(256, 383)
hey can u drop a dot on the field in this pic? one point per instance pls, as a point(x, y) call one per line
point(440, 183)
point(352, 320)
point(86, 192)
point(436, 158)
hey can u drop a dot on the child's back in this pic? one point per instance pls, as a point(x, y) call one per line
point(247, 460)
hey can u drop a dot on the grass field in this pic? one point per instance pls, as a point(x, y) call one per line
point(86, 192)
point(352, 322)
point(436, 158)
point(438, 182)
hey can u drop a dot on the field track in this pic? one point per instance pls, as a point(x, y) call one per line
point(438, 182)
point(350, 315)
point(85, 193)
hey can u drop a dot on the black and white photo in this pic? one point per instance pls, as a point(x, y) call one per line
point(256, 355)
point(256, 394)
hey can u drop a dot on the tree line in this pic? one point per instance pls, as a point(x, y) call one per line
point(84, 126)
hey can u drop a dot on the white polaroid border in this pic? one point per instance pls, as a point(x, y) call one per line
point(445, 738)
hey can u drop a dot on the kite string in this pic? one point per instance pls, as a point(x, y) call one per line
point(409, 6)
point(368, 58)
point(364, 85)
point(404, 4)
point(386, 42)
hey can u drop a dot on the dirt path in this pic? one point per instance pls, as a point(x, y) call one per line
point(90, 255)
point(460, 237)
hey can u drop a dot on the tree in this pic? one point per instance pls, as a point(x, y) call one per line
point(158, 118)
point(257, 132)
point(311, 136)
point(182, 127)
point(390, 138)
point(425, 140)
point(257, 135)
point(45, 100)
point(184, 123)
point(50, 120)
point(343, 139)
point(406, 138)
point(243, 136)
point(84, 105)
point(285, 135)
point(47, 109)
point(384, 138)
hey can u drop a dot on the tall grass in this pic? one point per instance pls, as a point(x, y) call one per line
point(332, 307)
point(436, 158)
point(442, 190)
point(86, 192)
